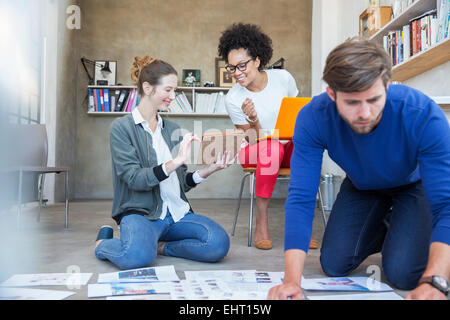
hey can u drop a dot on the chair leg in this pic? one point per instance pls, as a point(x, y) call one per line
point(250, 218)
point(67, 198)
point(239, 203)
point(40, 191)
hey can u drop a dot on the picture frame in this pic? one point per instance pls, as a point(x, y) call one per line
point(219, 63)
point(191, 77)
point(103, 78)
point(225, 78)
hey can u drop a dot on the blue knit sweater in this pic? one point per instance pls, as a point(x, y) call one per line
point(411, 142)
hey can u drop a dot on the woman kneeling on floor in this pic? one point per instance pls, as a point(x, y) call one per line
point(150, 204)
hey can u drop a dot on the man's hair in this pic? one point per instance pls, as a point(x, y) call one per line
point(355, 65)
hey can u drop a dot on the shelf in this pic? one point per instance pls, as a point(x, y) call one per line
point(168, 114)
point(443, 101)
point(422, 61)
point(414, 10)
point(204, 88)
point(178, 88)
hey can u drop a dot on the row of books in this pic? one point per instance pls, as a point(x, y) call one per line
point(210, 103)
point(106, 100)
point(206, 103)
point(125, 100)
point(419, 34)
point(181, 104)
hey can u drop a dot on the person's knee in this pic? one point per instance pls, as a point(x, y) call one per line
point(335, 265)
point(217, 246)
point(401, 276)
point(135, 259)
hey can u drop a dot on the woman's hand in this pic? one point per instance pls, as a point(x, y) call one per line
point(249, 109)
point(184, 152)
point(222, 161)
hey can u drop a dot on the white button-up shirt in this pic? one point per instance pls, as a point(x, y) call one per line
point(170, 187)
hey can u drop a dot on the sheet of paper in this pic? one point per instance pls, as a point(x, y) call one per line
point(98, 290)
point(154, 274)
point(344, 284)
point(359, 296)
point(48, 279)
point(156, 296)
point(33, 294)
point(199, 289)
point(224, 275)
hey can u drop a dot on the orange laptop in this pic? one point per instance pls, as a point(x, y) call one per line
point(285, 125)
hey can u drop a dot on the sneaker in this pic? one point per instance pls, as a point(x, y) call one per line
point(105, 232)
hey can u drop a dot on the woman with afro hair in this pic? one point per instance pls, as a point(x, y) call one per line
point(253, 105)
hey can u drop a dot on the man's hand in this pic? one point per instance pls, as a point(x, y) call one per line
point(289, 290)
point(426, 292)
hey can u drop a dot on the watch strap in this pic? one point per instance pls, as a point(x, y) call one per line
point(429, 280)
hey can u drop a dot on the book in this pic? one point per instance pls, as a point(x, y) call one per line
point(130, 100)
point(106, 100)
point(98, 105)
point(121, 100)
point(91, 101)
point(102, 103)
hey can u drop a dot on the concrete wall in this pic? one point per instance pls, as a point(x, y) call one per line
point(184, 33)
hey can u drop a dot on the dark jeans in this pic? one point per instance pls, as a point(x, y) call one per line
point(356, 229)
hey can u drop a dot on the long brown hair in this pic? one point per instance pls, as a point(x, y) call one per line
point(355, 65)
point(151, 70)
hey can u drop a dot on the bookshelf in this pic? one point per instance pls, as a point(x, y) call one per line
point(424, 60)
point(192, 93)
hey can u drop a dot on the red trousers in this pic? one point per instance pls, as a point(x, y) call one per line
point(268, 156)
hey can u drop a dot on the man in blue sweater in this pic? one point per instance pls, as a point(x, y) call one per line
point(393, 142)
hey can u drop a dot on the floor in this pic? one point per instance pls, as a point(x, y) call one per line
point(46, 247)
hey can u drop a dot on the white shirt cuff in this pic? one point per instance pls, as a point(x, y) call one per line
point(197, 179)
point(164, 169)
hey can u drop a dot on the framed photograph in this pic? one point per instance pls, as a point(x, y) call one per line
point(101, 76)
point(225, 78)
point(191, 77)
point(220, 63)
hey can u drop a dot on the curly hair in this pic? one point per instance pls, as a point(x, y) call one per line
point(249, 37)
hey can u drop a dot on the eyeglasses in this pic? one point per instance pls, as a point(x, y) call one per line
point(241, 66)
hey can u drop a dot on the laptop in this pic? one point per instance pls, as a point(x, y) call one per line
point(289, 109)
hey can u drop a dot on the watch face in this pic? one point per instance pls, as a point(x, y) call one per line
point(441, 282)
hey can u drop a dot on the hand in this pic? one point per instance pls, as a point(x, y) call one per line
point(249, 109)
point(286, 290)
point(426, 292)
point(185, 148)
point(223, 161)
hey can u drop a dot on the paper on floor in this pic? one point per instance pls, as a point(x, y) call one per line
point(344, 284)
point(33, 294)
point(153, 274)
point(48, 279)
point(359, 296)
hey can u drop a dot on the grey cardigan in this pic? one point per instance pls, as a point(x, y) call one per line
point(135, 178)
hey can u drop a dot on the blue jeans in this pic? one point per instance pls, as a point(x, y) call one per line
point(194, 237)
point(356, 229)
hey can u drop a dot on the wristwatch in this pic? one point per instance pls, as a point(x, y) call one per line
point(438, 282)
